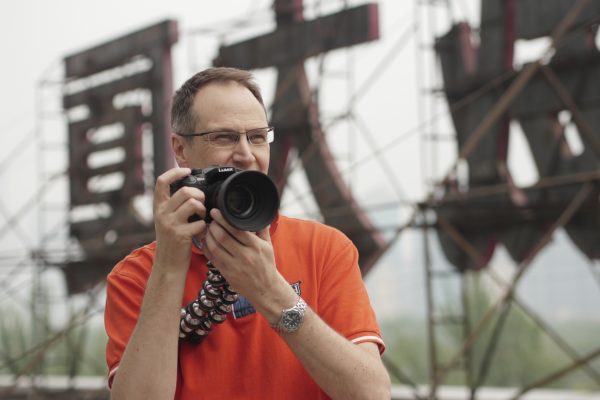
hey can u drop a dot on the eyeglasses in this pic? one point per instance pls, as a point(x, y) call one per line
point(230, 139)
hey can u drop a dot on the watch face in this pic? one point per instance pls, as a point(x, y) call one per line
point(291, 320)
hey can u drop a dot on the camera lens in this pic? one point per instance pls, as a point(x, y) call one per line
point(248, 200)
point(240, 201)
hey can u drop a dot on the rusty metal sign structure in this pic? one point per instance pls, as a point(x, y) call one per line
point(485, 93)
point(117, 97)
point(534, 97)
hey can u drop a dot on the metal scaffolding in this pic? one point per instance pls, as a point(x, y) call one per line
point(468, 221)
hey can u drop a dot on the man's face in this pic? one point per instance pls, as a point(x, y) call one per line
point(224, 106)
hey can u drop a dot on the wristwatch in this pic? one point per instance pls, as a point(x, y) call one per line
point(291, 318)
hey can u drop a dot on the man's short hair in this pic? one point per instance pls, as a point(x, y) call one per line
point(182, 119)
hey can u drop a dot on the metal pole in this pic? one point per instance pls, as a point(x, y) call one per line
point(433, 361)
point(562, 372)
point(587, 131)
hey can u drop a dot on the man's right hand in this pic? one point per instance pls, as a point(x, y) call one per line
point(173, 231)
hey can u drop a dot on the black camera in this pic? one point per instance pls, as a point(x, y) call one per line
point(248, 200)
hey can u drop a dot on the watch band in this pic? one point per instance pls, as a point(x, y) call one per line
point(292, 318)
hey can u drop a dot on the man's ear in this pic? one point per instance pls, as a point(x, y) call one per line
point(179, 144)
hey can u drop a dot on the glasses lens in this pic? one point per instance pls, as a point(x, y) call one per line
point(258, 136)
point(223, 139)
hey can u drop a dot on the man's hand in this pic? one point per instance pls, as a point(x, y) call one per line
point(246, 259)
point(173, 231)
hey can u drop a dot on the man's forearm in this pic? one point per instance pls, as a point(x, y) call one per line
point(148, 369)
point(342, 369)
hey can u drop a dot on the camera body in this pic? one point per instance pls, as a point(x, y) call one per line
point(248, 200)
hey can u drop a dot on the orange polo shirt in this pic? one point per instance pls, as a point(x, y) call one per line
point(243, 358)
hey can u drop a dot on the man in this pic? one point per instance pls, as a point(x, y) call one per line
point(333, 350)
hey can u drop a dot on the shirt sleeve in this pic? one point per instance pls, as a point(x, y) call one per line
point(343, 299)
point(124, 297)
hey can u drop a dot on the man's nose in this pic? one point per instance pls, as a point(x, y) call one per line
point(242, 153)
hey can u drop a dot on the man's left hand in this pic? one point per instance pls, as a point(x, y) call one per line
point(246, 259)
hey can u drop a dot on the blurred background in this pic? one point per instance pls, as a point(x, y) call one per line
point(456, 142)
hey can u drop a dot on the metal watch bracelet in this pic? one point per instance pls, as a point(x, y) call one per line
point(292, 318)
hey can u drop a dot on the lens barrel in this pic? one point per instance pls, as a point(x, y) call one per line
point(248, 200)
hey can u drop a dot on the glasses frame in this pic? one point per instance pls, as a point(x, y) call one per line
point(270, 130)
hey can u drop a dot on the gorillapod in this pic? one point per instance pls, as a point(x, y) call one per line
point(214, 301)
